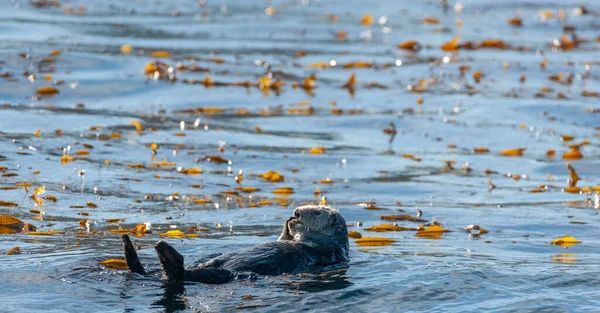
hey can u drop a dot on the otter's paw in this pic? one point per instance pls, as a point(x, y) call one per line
point(285, 233)
point(296, 227)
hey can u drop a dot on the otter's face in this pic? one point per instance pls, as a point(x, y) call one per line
point(319, 219)
point(323, 228)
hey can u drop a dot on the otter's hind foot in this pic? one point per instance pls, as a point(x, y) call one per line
point(131, 256)
point(171, 260)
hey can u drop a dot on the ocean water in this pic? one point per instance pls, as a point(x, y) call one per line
point(111, 171)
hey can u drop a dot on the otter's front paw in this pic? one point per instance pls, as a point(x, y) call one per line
point(293, 225)
point(286, 233)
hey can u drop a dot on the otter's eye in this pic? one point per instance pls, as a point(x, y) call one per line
point(297, 214)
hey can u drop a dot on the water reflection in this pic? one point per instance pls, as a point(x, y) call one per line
point(319, 282)
point(172, 299)
point(565, 258)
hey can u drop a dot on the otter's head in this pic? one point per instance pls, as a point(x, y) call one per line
point(323, 221)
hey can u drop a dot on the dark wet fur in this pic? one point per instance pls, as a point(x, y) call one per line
point(131, 257)
point(171, 260)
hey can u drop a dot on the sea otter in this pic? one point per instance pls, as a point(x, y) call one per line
point(314, 236)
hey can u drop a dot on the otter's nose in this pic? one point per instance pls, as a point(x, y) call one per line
point(296, 213)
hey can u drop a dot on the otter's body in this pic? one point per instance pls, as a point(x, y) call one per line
point(272, 258)
point(315, 236)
